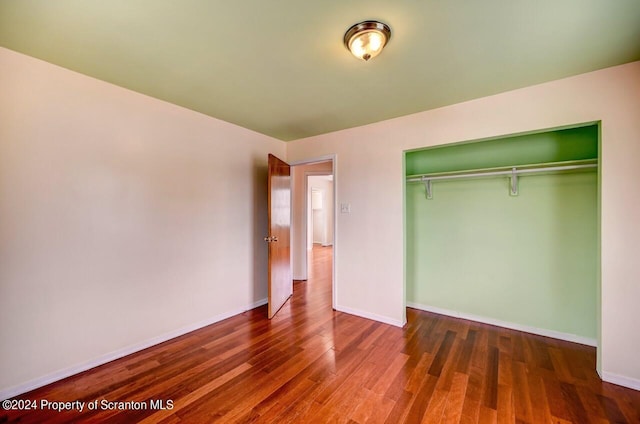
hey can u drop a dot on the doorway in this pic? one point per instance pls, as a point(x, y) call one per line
point(319, 210)
point(313, 214)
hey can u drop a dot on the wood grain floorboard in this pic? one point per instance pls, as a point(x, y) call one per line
point(311, 364)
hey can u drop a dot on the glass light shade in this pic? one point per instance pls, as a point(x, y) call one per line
point(367, 39)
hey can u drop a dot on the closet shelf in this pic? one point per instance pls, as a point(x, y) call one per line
point(510, 171)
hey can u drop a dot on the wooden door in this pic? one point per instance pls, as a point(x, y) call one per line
point(279, 205)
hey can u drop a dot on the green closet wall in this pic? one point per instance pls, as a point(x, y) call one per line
point(529, 259)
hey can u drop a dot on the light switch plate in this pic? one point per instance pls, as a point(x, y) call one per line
point(345, 208)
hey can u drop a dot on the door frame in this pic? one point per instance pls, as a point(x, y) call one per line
point(334, 160)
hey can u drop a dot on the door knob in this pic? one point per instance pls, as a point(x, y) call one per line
point(271, 239)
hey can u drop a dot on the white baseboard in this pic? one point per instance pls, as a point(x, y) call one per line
point(258, 303)
point(621, 380)
point(527, 329)
point(117, 354)
point(369, 315)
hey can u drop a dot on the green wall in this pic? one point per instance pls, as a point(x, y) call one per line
point(550, 146)
point(529, 259)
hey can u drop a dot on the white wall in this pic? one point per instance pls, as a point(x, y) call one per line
point(123, 220)
point(369, 164)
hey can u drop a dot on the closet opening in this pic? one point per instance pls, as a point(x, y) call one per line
point(506, 231)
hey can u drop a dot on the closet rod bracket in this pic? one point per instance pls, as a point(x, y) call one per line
point(514, 182)
point(427, 188)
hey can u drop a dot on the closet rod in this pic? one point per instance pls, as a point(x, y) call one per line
point(509, 172)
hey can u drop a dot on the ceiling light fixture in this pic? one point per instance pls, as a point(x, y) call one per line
point(367, 39)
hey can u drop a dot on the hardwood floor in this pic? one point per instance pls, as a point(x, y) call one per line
point(311, 364)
